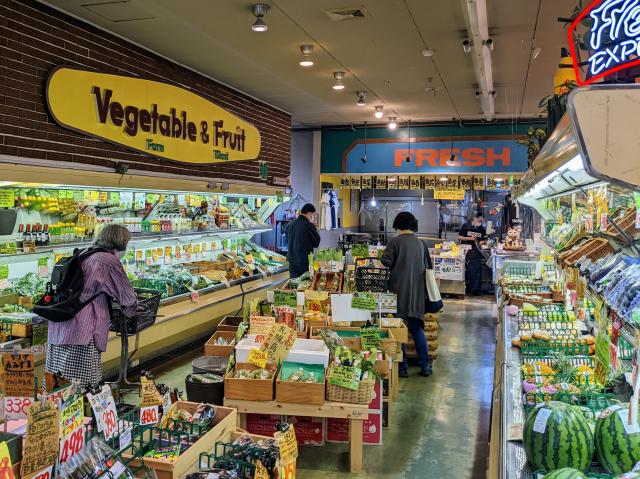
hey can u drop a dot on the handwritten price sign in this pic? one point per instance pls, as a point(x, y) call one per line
point(44, 474)
point(110, 421)
point(16, 407)
point(72, 444)
point(149, 415)
point(257, 357)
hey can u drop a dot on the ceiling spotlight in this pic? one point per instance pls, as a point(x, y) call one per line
point(379, 113)
point(260, 10)
point(452, 160)
point(392, 123)
point(427, 52)
point(361, 101)
point(306, 50)
point(466, 46)
point(488, 43)
point(444, 179)
point(373, 198)
point(363, 158)
point(338, 84)
point(535, 53)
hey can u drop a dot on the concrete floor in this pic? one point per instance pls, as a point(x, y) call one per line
point(439, 426)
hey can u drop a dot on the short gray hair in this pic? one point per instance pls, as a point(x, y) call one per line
point(113, 237)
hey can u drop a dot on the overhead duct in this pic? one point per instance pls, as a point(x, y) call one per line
point(475, 17)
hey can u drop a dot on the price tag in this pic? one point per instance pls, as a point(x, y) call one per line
point(289, 470)
point(4, 271)
point(257, 357)
point(370, 338)
point(4, 284)
point(287, 444)
point(261, 471)
point(195, 296)
point(71, 444)
point(44, 473)
point(117, 469)
point(260, 325)
point(149, 261)
point(279, 341)
point(125, 439)
point(71, 417)
point(7, 199)
point(540, 424)
point(149, 415)
point(345, 376)
point(285, 298)
point(16, 407)
point(366, 301)
point(104, 410)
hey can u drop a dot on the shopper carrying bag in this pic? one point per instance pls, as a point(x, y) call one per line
point(405, 258)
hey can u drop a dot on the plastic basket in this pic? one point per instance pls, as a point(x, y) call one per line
point(210, 364)
point(145, 316)
point(370, 277)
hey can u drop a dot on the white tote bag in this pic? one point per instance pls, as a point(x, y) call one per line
point(430, 279)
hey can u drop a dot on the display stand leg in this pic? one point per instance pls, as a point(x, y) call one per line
point(355, 439)
point(395, 380)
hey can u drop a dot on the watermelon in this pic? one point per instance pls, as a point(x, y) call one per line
point(557, 435)
point(617, 450)
point(566, 473)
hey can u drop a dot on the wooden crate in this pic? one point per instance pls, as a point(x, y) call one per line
point(390, 344)
point(21, 330)
point(335, 277)
point(249, 389)
point(10, 298)
point(213, 349)
point(299, 393)
point(229, 323)
point(188, 462)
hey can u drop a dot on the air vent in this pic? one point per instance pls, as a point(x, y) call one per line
point(354, 13)
point(120, 10)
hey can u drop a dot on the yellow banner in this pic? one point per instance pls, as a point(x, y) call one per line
point(151, 117)
point(449, 194)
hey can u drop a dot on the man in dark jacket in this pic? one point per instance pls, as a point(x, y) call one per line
point(302, 237)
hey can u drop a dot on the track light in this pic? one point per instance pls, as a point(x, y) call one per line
point(466, 46)
point(379, 113)
point(392, 123)
point(306, 50)
point(488, 43)
point(260, 10)
point(361, 101)
point(452, 160)
point(338, 84)
point(363, 158)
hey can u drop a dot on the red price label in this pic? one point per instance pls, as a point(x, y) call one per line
point(149, 415)
point(44, 473)
point(16, 407)
point(110, 421)
point(195, 296)
point(72, 444)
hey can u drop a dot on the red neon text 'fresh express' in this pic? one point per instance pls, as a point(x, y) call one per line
point(472, 157)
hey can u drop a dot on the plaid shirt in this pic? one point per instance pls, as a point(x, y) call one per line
point(103, 273)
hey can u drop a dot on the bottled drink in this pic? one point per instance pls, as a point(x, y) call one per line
point(27, 233)
point(45, 235)
point(20, 236)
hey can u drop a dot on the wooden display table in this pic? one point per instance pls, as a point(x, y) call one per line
point(356, 413)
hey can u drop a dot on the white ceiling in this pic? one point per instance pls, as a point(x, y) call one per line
point(381, 54)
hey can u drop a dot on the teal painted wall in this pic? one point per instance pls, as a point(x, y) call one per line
point(334, 143)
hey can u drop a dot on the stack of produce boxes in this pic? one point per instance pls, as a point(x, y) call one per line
point(431, 327)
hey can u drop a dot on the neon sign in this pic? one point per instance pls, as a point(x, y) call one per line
point(614, 39)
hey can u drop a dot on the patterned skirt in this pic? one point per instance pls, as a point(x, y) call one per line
point(75, 362)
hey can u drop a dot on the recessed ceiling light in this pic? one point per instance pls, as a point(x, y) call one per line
point(361, 101)
point(379, 113)
point(259, 10)
point(535, 53)
point(428, 52)
point(392, 123)
point(338, 84)
point(306, 50)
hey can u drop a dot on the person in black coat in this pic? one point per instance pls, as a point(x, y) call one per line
point(302, 237)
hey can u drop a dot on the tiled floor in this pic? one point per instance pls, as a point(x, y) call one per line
point(440, 424)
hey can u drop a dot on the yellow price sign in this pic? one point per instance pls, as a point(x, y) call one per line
point(257, 357)
point(7, 199)
point(287, 444)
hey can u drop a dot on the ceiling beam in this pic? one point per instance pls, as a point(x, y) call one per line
point(475, 17)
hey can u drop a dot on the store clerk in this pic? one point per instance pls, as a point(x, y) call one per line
point(473, 234)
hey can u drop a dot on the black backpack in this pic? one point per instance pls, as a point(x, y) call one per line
point(61, 302)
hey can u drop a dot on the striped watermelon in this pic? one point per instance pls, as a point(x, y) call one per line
point(617, 450)
point(566, 473)
point(557, 435)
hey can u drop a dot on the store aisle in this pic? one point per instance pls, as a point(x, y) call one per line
point(441, 424)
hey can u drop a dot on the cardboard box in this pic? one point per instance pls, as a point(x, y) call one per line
point(213, 349)
point(376, 402)
point(309, 430)
point(263, 424)
point(249, 389)
point(338, 429)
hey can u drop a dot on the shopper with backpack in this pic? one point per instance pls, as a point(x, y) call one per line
point(78, 306)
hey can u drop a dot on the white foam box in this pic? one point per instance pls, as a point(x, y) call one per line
point(305, 351)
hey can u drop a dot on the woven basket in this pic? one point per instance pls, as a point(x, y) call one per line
point(363, 395)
